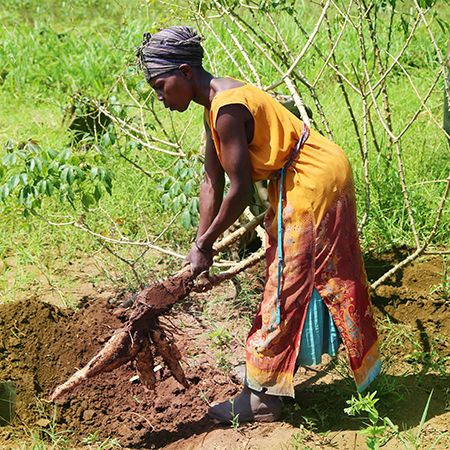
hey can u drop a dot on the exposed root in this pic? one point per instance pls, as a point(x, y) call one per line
point(170, 354)
point(117, 351)
point(145, 365)
point(132, 341)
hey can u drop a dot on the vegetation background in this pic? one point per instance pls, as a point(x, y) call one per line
point(57, 57)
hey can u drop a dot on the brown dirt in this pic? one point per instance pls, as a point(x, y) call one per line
point(42, 344)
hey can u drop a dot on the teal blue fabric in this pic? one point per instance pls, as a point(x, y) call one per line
point(319, 334)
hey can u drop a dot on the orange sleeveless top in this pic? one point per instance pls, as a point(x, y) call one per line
point(321, 168)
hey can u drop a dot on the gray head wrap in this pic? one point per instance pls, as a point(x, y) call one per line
point(168, 49)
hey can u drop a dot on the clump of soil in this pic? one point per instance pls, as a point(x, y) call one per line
point(41, 345)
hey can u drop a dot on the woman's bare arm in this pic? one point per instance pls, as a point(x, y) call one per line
point(233, 130)
point(211, 191)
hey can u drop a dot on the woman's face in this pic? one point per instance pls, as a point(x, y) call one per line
point(173, 89)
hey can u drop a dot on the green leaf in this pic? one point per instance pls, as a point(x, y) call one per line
point(101, 173)
point(373, 443)
point(42, 187)
point(178, 166)
point(130, 70)
point(70, 193)
point(62, 194)
point(30, 164)
point(87, 200)
point(23, 178)
point(108, 186)
point(50, 188)
point(186, 220)
point(176, 204)
point(97, 192)
point(101, 150)
point(94, 172)
point(52, 153)
point(4, 192)
point(33, 147)
point(188, 188)
point(165, 181)
point(64, 174)
point(12, 158)
point(20, 197)
point(105, 139)
point(78, 171)
point(70, 176)
point(14, 181)
point(193, 206)
point(373, 416)
point(165, 200)
point(38, 162)
point(29, 200)
point(53, 167)
point(10, 145)
point(175, 188)
point(142, 87)
point(64, 155)
point(424, 415)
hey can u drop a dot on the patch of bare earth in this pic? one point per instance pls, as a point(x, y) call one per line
point(42, 344)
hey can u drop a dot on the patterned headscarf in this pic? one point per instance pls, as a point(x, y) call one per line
point(168, 49)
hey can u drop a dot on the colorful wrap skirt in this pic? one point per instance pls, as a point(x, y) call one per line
point(321, 261)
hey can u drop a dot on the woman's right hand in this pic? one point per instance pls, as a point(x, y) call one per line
point(200, 261)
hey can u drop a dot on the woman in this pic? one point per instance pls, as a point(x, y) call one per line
point(316, 290)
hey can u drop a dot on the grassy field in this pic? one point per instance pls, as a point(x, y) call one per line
point(54, 53)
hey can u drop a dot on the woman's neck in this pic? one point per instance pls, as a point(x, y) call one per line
point(207, 87)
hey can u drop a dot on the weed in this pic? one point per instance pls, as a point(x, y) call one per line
point(223, 361)
point(299, 437)
point(375, 433)
point(379, 434)
point(95, 439)
point(202, 395)
point(423, 362)
point(235, 420)
point(220, 337)
point(443, 289)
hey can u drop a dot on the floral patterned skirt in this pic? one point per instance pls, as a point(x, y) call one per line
point(320, 252)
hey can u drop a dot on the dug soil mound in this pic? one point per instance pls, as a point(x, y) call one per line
point(41, 345)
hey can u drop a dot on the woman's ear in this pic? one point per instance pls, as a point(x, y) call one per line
point(186, 71)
